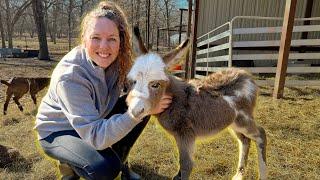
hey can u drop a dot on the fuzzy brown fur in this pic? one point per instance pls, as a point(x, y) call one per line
point(199, 109)
point(18, 86)
point(224, 99)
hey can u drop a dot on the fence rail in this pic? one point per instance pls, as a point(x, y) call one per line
point(220, 45)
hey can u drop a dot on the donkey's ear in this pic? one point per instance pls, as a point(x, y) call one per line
point(138, 46)
point(176, 54)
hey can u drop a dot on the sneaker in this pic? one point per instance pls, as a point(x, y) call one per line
point(67, 173)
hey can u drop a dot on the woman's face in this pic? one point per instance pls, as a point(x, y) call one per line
point(102, 41)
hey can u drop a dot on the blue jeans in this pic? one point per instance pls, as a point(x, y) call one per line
point(87, 162)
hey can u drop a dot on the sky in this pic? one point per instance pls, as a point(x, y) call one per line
point(182, 3)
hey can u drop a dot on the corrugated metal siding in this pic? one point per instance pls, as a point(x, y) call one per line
point(214, 13)
point(315, 13)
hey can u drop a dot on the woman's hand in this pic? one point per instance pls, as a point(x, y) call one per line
point(163, 104)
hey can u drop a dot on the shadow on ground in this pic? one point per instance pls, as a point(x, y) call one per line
point(148, 173)
point(11, 159)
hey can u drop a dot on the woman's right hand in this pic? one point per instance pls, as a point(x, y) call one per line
point(137, 111)
point(163, 104)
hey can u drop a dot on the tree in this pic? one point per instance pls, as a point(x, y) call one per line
point(167, 16)
point(3, 41)
point(70, 9)
point(51, 19)
point(38, 15)
point(137, 13)
point(82, 6)
point(55, 14)
point(16, 9)
point(30, 27)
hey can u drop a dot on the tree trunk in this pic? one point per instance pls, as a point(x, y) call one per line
point(46, 20)
point(9, 36)
point(41, 28)
point(155, 22)
point(11, 20)
point(3, 40)
point(138, 13)
point(167, 22)
point(8, 21)
point(61, 30)
point(31, 34)
point(82, 7)
point(54, 22)
point(69, 22)
point(21, 31)
point(132, 14)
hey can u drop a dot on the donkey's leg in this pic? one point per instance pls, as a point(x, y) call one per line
point(34, 98)
point(244, 145)
point(5, 106)
point(16, 100)
point(261, 143)
point(248, 127)
point(186, 147)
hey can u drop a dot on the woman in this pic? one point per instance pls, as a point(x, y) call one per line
point(81, 121)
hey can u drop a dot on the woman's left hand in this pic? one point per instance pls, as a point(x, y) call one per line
point(163, 104)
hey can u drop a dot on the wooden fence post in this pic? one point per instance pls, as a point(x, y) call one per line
point(284, 50)
point(192, 60)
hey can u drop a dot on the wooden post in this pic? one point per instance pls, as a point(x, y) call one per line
point(186, 67)
point(148, 24)
point(158, 31)
point(285, 43)
point(192, 60)
point(180, 27)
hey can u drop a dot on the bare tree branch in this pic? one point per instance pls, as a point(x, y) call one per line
point(20, 11)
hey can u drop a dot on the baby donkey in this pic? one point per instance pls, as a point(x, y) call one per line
point(224, 99)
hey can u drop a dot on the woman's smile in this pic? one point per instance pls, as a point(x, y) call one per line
point(104, 55)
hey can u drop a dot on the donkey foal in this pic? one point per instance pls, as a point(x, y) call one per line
point(199, 107)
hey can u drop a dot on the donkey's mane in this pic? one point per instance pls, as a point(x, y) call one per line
point(151, 66)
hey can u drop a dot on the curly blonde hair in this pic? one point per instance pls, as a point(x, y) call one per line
point(113, 12)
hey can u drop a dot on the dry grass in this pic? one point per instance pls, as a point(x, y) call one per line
point(292, 126)
point(60, 48)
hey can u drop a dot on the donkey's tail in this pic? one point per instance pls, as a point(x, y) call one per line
point(5, 82)
point(232, 82)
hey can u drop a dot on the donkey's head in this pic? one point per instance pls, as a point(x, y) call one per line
point(148, 77)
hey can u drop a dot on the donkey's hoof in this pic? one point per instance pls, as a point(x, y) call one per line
point(238, 176)
point(4, 112)
point(178, 176)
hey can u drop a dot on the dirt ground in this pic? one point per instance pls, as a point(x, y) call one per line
point(292, 125)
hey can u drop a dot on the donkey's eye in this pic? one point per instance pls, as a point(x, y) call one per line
point(134, 82)
point(155, 85)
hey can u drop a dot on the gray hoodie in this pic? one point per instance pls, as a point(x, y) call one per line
point(79, 97)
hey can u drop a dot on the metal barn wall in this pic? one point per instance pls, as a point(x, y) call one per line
point(315, 13)
point(213, 13)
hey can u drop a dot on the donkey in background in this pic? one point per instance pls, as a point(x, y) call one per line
point(18, 86)
point(224, 99)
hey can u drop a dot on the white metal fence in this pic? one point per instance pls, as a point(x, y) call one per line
point(219, 48)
